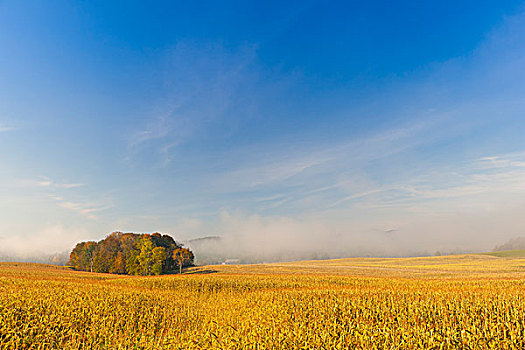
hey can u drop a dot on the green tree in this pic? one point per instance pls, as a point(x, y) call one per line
point(132, 263)
point(145, 257)
point(128, 247)
point(75, 256)
point(159, 258)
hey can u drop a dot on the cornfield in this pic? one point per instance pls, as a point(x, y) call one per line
point(430, 303)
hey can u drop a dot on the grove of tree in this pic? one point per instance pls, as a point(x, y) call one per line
point(132, 254)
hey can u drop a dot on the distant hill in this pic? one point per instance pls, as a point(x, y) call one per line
point(517, 243)
point(204, 240)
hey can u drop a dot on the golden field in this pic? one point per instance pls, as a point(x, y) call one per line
point(451, 302)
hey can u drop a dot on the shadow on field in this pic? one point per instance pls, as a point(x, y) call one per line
point(199, 272)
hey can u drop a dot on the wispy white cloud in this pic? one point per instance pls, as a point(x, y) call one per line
point(44, 181)
point(4, 128)
point(87, 209)
point(404, 165)
point(274, 172)
point(9, 124)
point(208, 89)
point(270, 198)
point(156, 128)
point(493, 177)
point(70, 185)
point(356, 196)
point(309, 166)
point(445, 186)
point(202, 82)
point(61, 193)
point(516, 160)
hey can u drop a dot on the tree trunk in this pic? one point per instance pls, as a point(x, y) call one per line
point(180, 269)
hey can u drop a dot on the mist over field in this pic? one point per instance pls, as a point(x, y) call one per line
point(256, 239)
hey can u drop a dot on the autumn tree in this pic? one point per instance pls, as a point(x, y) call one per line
point(130, 253)
point(119, 265)
point(105, 253)
point(183, 257)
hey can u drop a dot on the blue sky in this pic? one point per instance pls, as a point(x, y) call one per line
point(299, 122)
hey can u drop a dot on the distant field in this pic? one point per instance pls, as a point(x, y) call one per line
point(448, 302)
point(519, 253)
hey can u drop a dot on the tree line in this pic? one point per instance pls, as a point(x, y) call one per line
point(131, 254)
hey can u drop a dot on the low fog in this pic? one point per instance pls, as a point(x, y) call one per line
point(259, 239)
point(241, 238)
point(50, 245)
